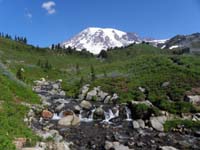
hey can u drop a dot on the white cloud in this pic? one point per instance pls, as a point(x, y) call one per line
point(49, 7)
point(28, 14)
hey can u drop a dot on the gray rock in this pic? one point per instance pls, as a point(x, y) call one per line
point(195, 100)
point(77, 108)
point(102, 95)
point(148, 103)
point(136, 125)
point(60, 107)
point(141, 123)
point(86, 105)
point(115, 146)
point(70, 120)
point(165, 84)
point(114, 97)
point(91, 94)
point(157, 122)
point(84, 91)
point(167, 148)
point(142, 89)
point(107, 99)
point(99, 111)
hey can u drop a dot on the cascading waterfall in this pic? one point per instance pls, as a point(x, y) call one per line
point(110, 115)
point(90, 118)
point(128, 114)
point(57, 116)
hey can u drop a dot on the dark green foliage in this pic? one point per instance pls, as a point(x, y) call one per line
point(19, 74)
point(93, 75)
point(103, 54)
point(189, 124)
point(142, 111)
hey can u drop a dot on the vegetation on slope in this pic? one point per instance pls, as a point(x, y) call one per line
point(122, 71)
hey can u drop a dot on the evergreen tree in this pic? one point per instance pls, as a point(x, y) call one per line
point(93, 76)
point(19, 74)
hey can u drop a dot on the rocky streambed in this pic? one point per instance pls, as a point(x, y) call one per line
point(96, 121)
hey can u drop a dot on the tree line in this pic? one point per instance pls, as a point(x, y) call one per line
point(20, 39)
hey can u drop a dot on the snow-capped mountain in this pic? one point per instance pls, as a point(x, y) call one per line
point(96, 39)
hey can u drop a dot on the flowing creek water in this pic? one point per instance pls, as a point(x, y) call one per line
point(100, 124)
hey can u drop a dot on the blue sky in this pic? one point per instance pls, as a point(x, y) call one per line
point(45, 22)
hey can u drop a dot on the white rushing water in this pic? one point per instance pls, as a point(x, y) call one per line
point(128, 114)
point(110, 115)
point(89, 119)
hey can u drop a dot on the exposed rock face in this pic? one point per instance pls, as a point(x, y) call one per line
point(157, 122)
point(86, 105)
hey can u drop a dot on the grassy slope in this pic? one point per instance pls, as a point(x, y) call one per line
point(123, 72)
point(12, 113)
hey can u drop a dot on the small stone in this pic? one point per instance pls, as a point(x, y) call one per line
point(47, 114)
point(136, 125)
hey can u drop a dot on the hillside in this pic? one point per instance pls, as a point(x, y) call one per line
point(165, 76)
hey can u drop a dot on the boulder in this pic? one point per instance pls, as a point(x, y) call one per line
point(86, 105)
point(167, 148)
point(196, 117)
point(91, 94)
point(141, 123)
point(84, 91)
point(107, 99)
point(101, 95)
point(195, 100)
point(136, 125)
point(60, 107)
point(165, 84)
point(99, 111)
point(70, 120)
point(47, 114)
point(157, 122)
point(115, 146)
point(142, 89)
point(114, 97)
point(148, 103)
point(77, 108)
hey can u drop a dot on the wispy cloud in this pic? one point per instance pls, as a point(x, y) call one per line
point(49, 7)
point(28, 14)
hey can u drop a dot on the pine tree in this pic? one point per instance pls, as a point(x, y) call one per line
point(93, 76)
